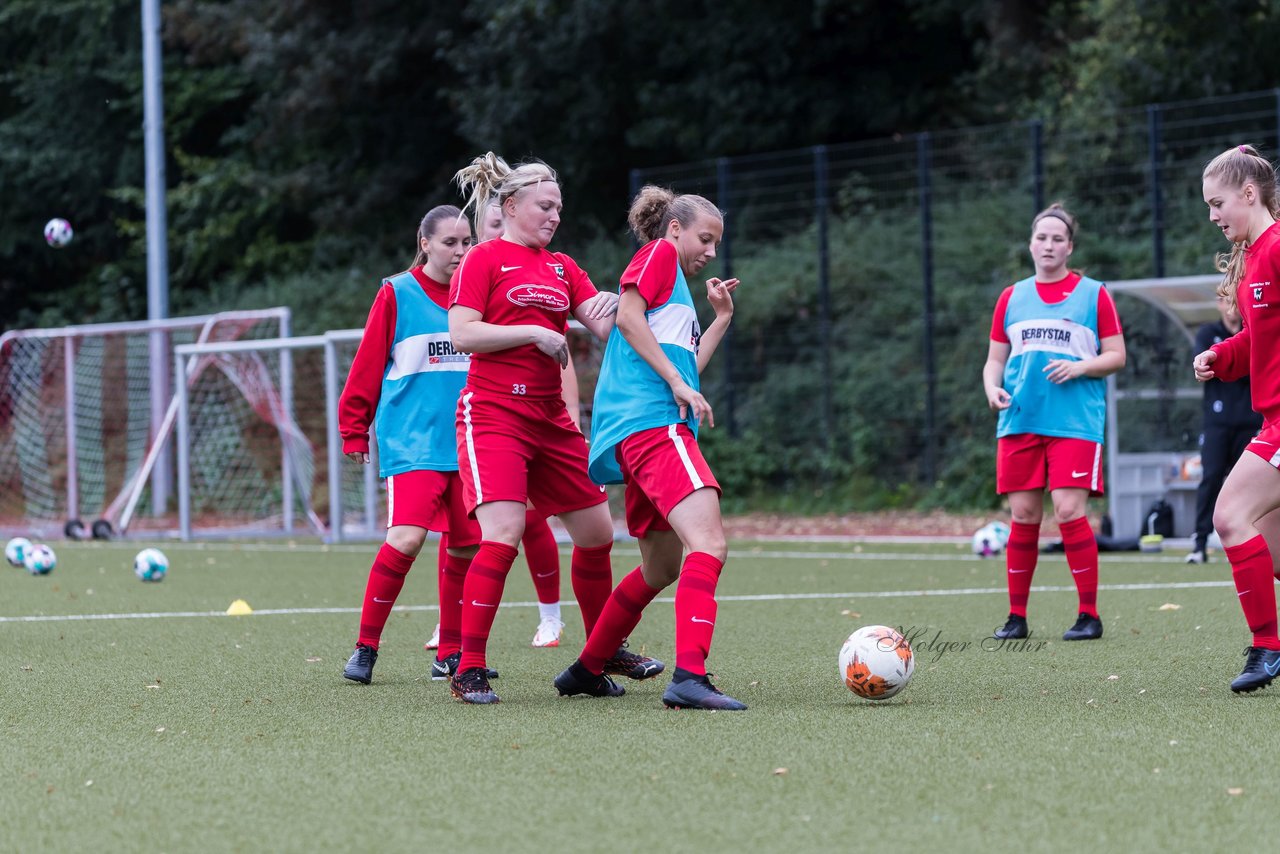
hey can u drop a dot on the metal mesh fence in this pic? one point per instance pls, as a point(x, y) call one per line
point(870, 271)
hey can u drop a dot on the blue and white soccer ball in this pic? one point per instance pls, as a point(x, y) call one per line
point(990, 539)
point(151, 565)
point(57, 232)
point(15, 550)
point(39, 559)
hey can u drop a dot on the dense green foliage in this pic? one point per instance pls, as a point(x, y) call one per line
point(306, 138)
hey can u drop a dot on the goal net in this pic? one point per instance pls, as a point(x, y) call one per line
point(76, 434)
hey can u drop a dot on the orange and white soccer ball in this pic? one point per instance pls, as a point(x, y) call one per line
point(876, 662)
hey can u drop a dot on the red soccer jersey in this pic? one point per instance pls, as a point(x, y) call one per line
point(1258, 298)
point(1054, 292)
point(511, 285)
point(653, 272)
point(363, 389)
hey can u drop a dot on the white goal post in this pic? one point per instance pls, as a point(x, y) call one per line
point(76, 439)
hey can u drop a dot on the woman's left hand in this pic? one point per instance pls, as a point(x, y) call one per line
point(720, 295)
point(1060, 370)
point(602, 305)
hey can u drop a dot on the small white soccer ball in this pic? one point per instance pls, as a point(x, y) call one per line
point(57, 232)
point(876, 662)
point(990, 539)
point(151, 565)
point(39, 559)
point(15, 550)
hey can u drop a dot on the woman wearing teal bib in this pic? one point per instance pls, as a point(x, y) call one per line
point(644, 433)
point(1055, 337)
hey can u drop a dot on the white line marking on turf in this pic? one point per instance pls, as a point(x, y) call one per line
point(759, 597)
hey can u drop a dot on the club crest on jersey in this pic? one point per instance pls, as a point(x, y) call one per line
point(544, 297)
point(558, 269)
point(1257, 294)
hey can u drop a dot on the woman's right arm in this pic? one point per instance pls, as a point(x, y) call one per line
point(363, 389)
point(993, 375)
point(634, 326)
point(471, 334)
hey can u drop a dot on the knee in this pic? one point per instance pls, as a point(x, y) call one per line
point(661, 575)
point(711, 543)
point(1231, 529)
point(466, 552)
point(406, 539)
point(1067, 513)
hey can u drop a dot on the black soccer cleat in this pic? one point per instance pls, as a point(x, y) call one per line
point(689, 691)
point(360, 666)
point(472, 686)
point(443, 668)
point(1260, 667)
point(628, 664)
point(1015, 628)
point(1087, 627)
point(576, 679)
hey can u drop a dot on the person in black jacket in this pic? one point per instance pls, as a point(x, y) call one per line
point(1229, 424)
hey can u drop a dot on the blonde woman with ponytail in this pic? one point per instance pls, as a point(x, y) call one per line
point(510, 303)
point(1240, 189)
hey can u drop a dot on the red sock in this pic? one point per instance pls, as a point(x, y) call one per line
point(592, 577)
point(619, 617)
point(452, 578)
point(481, 595)
point(1020, 555)
point(696, 611)
point(386, 577)
point(1255, 585)
point(543, 556)
point(1081, 547)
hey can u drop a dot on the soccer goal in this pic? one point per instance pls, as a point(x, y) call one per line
point(77, 440)
point(258, 447)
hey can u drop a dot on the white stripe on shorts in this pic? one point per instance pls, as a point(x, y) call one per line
point(471, 446)
point(391, 499)
point(678, 441)
point(1097, 467)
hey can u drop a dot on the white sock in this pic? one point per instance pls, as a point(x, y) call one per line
point(552, 610)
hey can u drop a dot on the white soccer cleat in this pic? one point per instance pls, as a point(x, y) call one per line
point(548, 633)
point(434, 643)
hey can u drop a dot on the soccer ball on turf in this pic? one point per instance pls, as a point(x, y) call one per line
point(990, 539)
point(876, 662)
point(151, 565)
point(39, 559)
point(15, 549)
point(57, 232)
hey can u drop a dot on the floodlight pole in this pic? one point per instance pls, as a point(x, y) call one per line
point(157, 241)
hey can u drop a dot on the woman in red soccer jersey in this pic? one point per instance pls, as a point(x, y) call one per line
point(541, 552)
point(1240, 189)
point(406, 378)
point(644, 422)
point(510, 301)
point(1055, 337)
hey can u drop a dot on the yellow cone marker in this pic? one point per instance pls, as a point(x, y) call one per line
point(239, 608)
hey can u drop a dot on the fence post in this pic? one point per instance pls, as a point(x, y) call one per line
point(73, 452)
point(333, 443)
point(923, 166)
point(1037, 164)
point(821, 192)
point(723, 191)
point(1276, 93)
point(1157, 197)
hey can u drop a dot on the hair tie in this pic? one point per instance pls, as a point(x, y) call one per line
point(1242, 151)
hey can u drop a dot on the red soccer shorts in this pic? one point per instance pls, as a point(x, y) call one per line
point(1267, 443)
point(1029, 461)
point(510, 449)
point(661, 467)
point(431, 500)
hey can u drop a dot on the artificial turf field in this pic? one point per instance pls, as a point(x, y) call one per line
point(169, 726)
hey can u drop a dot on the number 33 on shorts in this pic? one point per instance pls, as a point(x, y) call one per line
point(519, 388)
